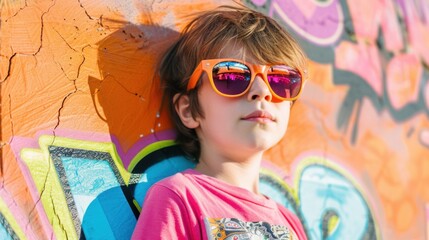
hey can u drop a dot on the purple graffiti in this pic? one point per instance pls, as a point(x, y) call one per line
point(320, 23)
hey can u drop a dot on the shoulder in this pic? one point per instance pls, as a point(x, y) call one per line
point(171, 181)
point(168, 196)
point(293, 220)
point(177, 183)
point(165, 211)
point(289, 215)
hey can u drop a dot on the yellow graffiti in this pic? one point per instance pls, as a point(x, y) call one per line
point(274, 176)
point(45, 177)
point(149, 149)
point(7, 214)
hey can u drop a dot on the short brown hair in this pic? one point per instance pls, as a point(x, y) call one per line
point(204, 38)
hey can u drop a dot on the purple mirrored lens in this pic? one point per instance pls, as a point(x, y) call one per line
point(231, 78)
point(284, 81)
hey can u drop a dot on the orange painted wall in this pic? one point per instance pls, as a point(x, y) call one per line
point(80, 75)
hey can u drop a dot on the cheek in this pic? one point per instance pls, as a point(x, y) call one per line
point(220, 116)
point(284, 110)
point(216, 106)
point(284, 113)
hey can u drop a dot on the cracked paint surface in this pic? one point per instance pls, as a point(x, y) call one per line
point(79, 96)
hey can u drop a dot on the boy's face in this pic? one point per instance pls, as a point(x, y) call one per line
point(241, 125)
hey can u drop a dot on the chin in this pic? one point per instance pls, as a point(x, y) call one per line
point(262, 145)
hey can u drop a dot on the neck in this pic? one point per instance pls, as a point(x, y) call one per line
point(244, 174)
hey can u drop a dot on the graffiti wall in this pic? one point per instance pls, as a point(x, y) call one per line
point(84, 132)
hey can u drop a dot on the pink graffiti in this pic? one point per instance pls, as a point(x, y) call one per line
point(416, 15)
point(367, 15)
point(361, 59)
point(320, 23)
point(424, 138)
point(404, 73)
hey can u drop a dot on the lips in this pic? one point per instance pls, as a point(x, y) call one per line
point(259, 116)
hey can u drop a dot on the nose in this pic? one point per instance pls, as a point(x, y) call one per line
point(259, 90)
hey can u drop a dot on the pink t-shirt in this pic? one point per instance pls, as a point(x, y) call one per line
point(191, 205)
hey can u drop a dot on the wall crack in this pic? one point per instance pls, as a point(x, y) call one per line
point(120, 84)
point(62, 106)
point(42, 27)
point(17, 12)
point(84, 9)
point(9, 68)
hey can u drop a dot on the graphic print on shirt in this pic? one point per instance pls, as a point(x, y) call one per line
point(235, 229)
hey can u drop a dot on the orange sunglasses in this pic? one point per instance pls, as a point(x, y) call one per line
point(233, 78)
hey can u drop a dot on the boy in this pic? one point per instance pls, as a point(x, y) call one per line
point(230, 80)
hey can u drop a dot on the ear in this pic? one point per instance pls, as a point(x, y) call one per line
point(183, 109)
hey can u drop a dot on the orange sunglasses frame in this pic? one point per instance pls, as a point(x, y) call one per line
point(255, 69)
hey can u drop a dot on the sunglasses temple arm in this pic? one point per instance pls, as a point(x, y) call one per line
point(193, 80)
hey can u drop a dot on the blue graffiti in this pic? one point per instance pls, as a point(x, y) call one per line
point(324, 191)
point(100, 202)
point(6, 231)
point(93, 185)
point(328, 204)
